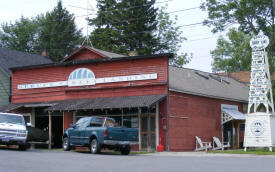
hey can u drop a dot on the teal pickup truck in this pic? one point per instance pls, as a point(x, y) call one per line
point(99, 133)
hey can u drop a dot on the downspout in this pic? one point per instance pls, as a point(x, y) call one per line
point(10, 90)
point(167, 108)
point(168, 123)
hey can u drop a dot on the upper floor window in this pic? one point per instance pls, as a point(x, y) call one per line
point(81, 73)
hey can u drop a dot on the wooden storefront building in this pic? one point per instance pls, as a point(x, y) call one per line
point(169, 105)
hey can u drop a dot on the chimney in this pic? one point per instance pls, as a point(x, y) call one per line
point(45, 52)
point(133, 53)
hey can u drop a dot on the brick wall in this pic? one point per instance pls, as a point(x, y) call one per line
point(192, 116)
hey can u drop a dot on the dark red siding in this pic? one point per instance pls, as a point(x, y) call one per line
point(67, 119)
point(85, 54)
point(107, 69)
point(192, 116)
point(163, 128)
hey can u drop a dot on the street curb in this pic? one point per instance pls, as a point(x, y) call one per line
point(204, 154)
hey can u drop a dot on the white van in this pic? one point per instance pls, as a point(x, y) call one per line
point(13, 130)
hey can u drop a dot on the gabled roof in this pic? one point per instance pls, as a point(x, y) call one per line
point(206, 84)
point(11, 58)
point(102, 53)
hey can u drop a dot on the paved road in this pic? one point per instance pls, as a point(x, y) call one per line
point(59, 161)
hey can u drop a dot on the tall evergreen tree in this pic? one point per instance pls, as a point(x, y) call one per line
point(123, 26)
point(58, 33)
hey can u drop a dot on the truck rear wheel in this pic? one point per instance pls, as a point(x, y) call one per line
point(125, 151)
point(66, 144)
point(94, 146)
point(23, 147)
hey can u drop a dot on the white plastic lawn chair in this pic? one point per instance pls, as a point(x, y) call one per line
point(218, 145)
point(202, 145)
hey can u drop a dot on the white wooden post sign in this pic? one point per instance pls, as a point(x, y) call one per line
point(260, 121)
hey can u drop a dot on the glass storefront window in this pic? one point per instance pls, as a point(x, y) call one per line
point(130, 117)
point(130, 121)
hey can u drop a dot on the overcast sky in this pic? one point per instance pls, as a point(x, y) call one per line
point(200, 40)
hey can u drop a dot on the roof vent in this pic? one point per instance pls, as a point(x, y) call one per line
point(218, 78)
point(201, 75)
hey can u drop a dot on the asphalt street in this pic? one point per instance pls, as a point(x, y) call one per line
point(58, 161)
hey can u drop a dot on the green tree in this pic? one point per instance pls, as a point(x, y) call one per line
point(170, 38)
point(232, 54)
point(21, 36)
point(251, 16)
point(58, 33)
point(123, 26)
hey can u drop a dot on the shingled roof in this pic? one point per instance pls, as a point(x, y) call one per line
point(92, 103)
point(11, 58)
point(206, 84)
point(107, 103)
point(102, 53)
point(108, 54)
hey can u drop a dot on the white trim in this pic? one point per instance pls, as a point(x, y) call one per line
point(209, 96)
point(92, 81)
point(139, 128)
point(157, 125)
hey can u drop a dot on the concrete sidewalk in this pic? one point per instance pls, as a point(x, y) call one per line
point(205, 154)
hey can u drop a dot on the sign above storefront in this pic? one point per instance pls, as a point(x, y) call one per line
point(84, 77)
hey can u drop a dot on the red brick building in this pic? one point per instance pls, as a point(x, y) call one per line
point(169, 105)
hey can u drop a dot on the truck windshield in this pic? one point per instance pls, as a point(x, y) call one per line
point(13, 119)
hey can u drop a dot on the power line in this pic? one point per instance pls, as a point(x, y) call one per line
point(124, 8)
point(210, 37)
point(139, 18)
point(132, 19)
point(186, 25)
point(186, 9)
point(197, 34)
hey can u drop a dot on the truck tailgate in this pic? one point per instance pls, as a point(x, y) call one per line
point(122, 134)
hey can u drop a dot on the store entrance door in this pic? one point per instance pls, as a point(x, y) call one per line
point(148, 132)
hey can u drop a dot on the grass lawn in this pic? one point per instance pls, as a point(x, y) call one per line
point(251, 151)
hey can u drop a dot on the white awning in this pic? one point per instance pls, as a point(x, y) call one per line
point(231, 112)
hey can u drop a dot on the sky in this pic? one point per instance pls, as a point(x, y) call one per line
point(200, 41)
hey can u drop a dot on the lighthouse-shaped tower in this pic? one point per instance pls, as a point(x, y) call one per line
point(260, 121)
